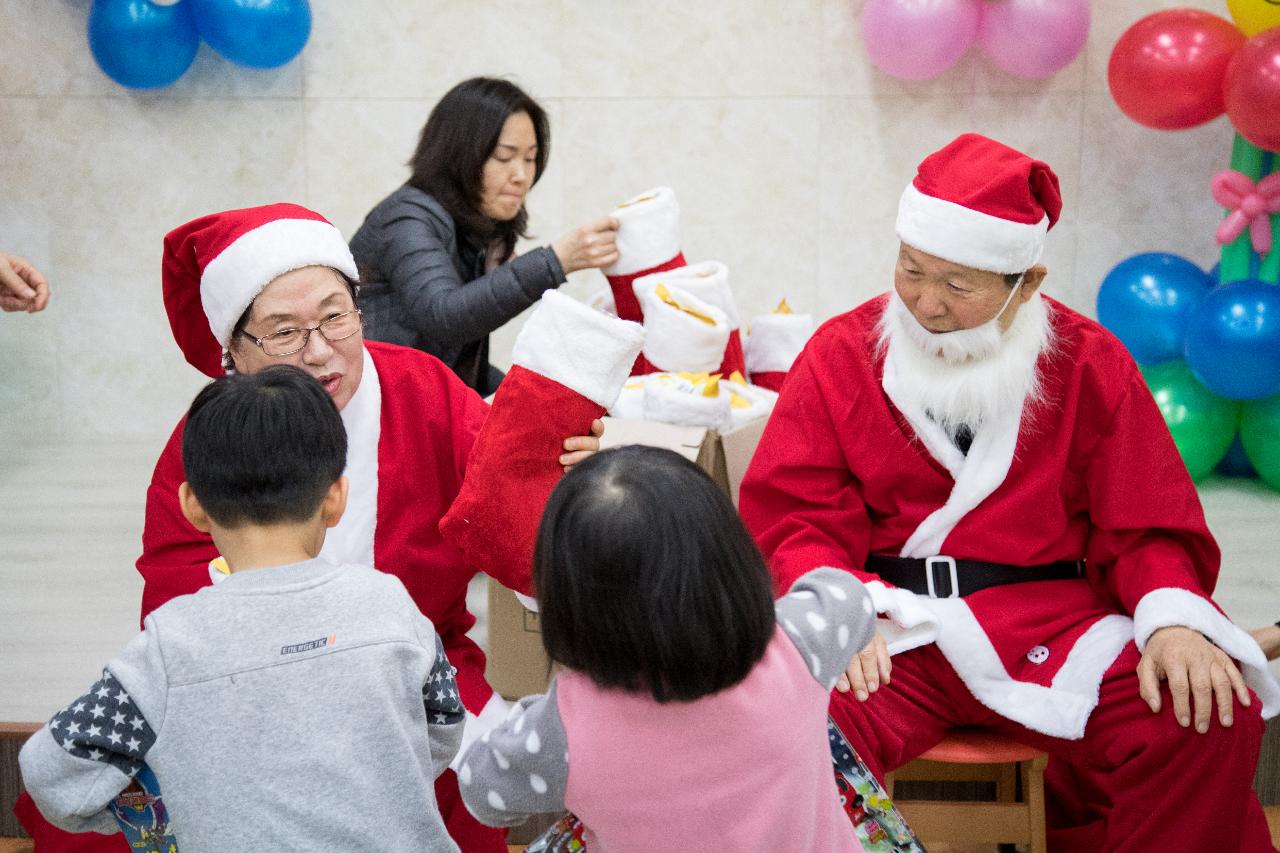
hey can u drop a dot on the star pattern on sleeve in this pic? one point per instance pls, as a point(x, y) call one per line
point(103, 725)
point(440, 693)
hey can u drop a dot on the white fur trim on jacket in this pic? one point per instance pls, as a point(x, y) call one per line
point(775, 341)
point(965, 236)
point(352, 540)
point(1168, 606)
point(1060, 710)
point(674, 400)
point(676, 340)
point(583, 349)
point(706, 280)
point(230, 281)
point(906, 622)
point(984, 468)
point(976, 475)
point(648, 232)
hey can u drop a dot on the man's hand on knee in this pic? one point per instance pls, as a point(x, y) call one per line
point(1200, 676)
point(868, 670)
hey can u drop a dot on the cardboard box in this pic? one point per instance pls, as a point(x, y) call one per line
point(517, 665)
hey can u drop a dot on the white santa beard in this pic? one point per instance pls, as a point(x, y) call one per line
point(972, 379)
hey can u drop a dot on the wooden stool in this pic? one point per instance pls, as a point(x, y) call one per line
point(975, 756)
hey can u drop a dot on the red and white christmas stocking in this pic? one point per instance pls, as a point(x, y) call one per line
point(709, 281)
point(774, 342)
point(747, 403)
point(681, 332)
point(648, 241)
point(688, 399)
point(569, 363)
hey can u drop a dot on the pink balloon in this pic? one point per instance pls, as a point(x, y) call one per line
point(918, 39)
point(1033, 38)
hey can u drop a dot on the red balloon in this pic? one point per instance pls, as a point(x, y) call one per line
point(1252, 90)
point(1166, 71)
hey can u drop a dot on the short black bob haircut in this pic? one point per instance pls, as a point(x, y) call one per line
point(646, 579)
point(460, 135)
point(263, 448)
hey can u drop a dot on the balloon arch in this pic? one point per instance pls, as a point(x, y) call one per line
point(1209, 342)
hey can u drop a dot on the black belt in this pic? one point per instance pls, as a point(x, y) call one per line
point(946, 577)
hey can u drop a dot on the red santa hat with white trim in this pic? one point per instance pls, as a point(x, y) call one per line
point(215, 266)
point(980, 203)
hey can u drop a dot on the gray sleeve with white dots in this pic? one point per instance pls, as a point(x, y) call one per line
point(829, 616)
point(519, 768)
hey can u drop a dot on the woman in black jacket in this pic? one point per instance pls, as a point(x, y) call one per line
point(437, 256)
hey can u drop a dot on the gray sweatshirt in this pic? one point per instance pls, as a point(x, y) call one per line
point(302, 707)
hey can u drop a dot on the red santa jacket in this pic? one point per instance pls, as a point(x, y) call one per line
point(1089, 472)
point(429, 422)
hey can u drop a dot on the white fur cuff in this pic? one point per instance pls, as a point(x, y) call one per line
point(675, 339)
point(579, 347)
point(648, 233)
point(907, 624)
point(775, 341)
point(673, 400)
point(707, 280)
point(1169, 606)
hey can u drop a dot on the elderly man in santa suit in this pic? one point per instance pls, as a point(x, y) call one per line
point(991, 464)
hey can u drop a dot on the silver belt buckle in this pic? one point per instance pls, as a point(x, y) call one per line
point(950, 563)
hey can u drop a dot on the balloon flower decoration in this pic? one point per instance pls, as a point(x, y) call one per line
point(920, 39)
point(1209, 343)
point(146, 44)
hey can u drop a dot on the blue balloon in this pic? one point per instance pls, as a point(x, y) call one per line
point(1233, 340)
point(1146, 301)
point(1236, 463)
point(256, 33)
point(141, 45)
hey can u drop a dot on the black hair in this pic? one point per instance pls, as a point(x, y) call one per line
point(647, 580)
point(228, 364)
point(1012, 278)
point(458, 138)
point(263, 447)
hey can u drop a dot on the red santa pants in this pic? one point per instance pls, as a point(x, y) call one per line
point(1137, 781)
point(470, 835)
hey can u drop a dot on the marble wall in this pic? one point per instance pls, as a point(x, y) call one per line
point(786, 147)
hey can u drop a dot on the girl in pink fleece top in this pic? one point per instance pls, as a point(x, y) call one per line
point(690, 708)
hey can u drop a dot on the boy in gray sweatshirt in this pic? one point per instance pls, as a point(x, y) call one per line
point(297, 705)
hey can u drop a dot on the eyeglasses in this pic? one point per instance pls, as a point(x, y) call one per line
point(339, 327)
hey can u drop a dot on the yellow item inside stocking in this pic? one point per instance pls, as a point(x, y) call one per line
point(783, 307)
point(665, 295)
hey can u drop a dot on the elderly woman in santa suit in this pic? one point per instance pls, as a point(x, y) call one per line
point(993, 467)
point(245, 289)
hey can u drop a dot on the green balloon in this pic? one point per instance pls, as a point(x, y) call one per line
point(1260, 434)
point(1202, 423)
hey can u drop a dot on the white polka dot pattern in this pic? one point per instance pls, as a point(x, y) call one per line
point(828, 616)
